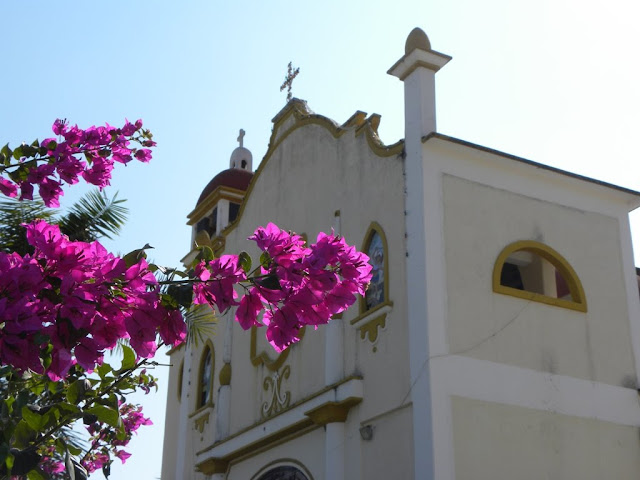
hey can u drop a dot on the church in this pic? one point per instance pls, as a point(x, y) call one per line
point(499, 338)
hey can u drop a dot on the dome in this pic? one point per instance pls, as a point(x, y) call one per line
point(232, 178)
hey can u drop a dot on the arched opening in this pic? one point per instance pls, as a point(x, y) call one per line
point(283, 472)
point(534, 271)
point(375, 246)
point(205, 377)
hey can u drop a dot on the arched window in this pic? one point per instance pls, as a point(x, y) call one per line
point(534, 271)
point(375, 246)
point(284, 472)
point(180, 377)
point(205, 377)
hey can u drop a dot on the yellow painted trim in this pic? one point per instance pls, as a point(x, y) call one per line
point(220, 193)
point(371, 327)
point(296, 404)
point(332, 412)
point(200, 422)
point(207, 346)
point(303, 119)
point(578, 300)
point(265, 443)
point(211, 466)
point(225, 374)
point(375, 227)
point(282, 462)
point(263, 358)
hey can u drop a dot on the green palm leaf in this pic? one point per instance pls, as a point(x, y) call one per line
point(13, 213)
point(94, 216)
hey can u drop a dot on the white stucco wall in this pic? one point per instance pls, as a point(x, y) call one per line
point(495, 441)
point(479, 221)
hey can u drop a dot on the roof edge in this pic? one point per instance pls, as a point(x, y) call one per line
point(576, 176)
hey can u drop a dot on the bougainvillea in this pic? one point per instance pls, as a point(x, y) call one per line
point(66, 304)
point(75, 153)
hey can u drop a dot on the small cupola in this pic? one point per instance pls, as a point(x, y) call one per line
point(220, 201)
point(241, 157)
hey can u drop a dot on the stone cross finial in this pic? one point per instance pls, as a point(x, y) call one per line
point(241, 137)
point(288, 80)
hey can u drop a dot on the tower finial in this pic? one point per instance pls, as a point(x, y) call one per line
point(292, 73)
point(241, 137)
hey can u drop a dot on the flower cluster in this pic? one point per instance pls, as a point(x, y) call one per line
point(107, 441)
point(296, 285)
point(51, 162)
point(70, 301)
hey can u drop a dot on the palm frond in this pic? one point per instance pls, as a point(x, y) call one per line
point(201, 323)
point(94, 216)
point(13, 213)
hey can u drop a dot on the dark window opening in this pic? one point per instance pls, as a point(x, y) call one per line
point(510, 276)
point(234, 208)
point(203, 225)
point(243, 165)
point(205, 378)
point(284, 473)
point(530, 272)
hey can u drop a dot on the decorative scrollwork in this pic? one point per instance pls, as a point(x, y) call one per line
point(277, 402)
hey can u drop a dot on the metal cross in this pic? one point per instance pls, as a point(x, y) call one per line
point(288, 80)
point(241, 137)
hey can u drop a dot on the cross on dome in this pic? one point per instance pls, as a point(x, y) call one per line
point(241, 158)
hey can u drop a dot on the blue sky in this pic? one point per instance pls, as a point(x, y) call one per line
point(554, 81)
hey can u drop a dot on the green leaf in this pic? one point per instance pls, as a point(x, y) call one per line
point(134, 257)
point(181, 294)
point(103, 370)
point(74, 450)
point(17, 153)
point(270, 281)
point(245, 262)
point(28, 151)
point(265, 259)
point(106, 415)
point(33, 419)
point(75, 391)
point(68, 408)
point(35, 475)
point(9, 461)
point(6, 151)
point(129, 358)
point(23, 434)
point(206, 253)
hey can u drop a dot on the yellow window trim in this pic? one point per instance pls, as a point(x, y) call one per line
point(578, 300)
point(209, 401)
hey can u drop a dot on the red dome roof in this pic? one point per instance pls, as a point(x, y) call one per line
point(232, 178)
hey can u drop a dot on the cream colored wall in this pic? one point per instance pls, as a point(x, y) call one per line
point(308, 178)
point(479, 221)
point(494, 441)
point(305, 453)
point(389, 455)
point(171, 419)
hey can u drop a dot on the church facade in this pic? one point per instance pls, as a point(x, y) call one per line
point(499, 339)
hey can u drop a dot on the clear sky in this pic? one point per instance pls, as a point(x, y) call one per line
point(554, 81)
